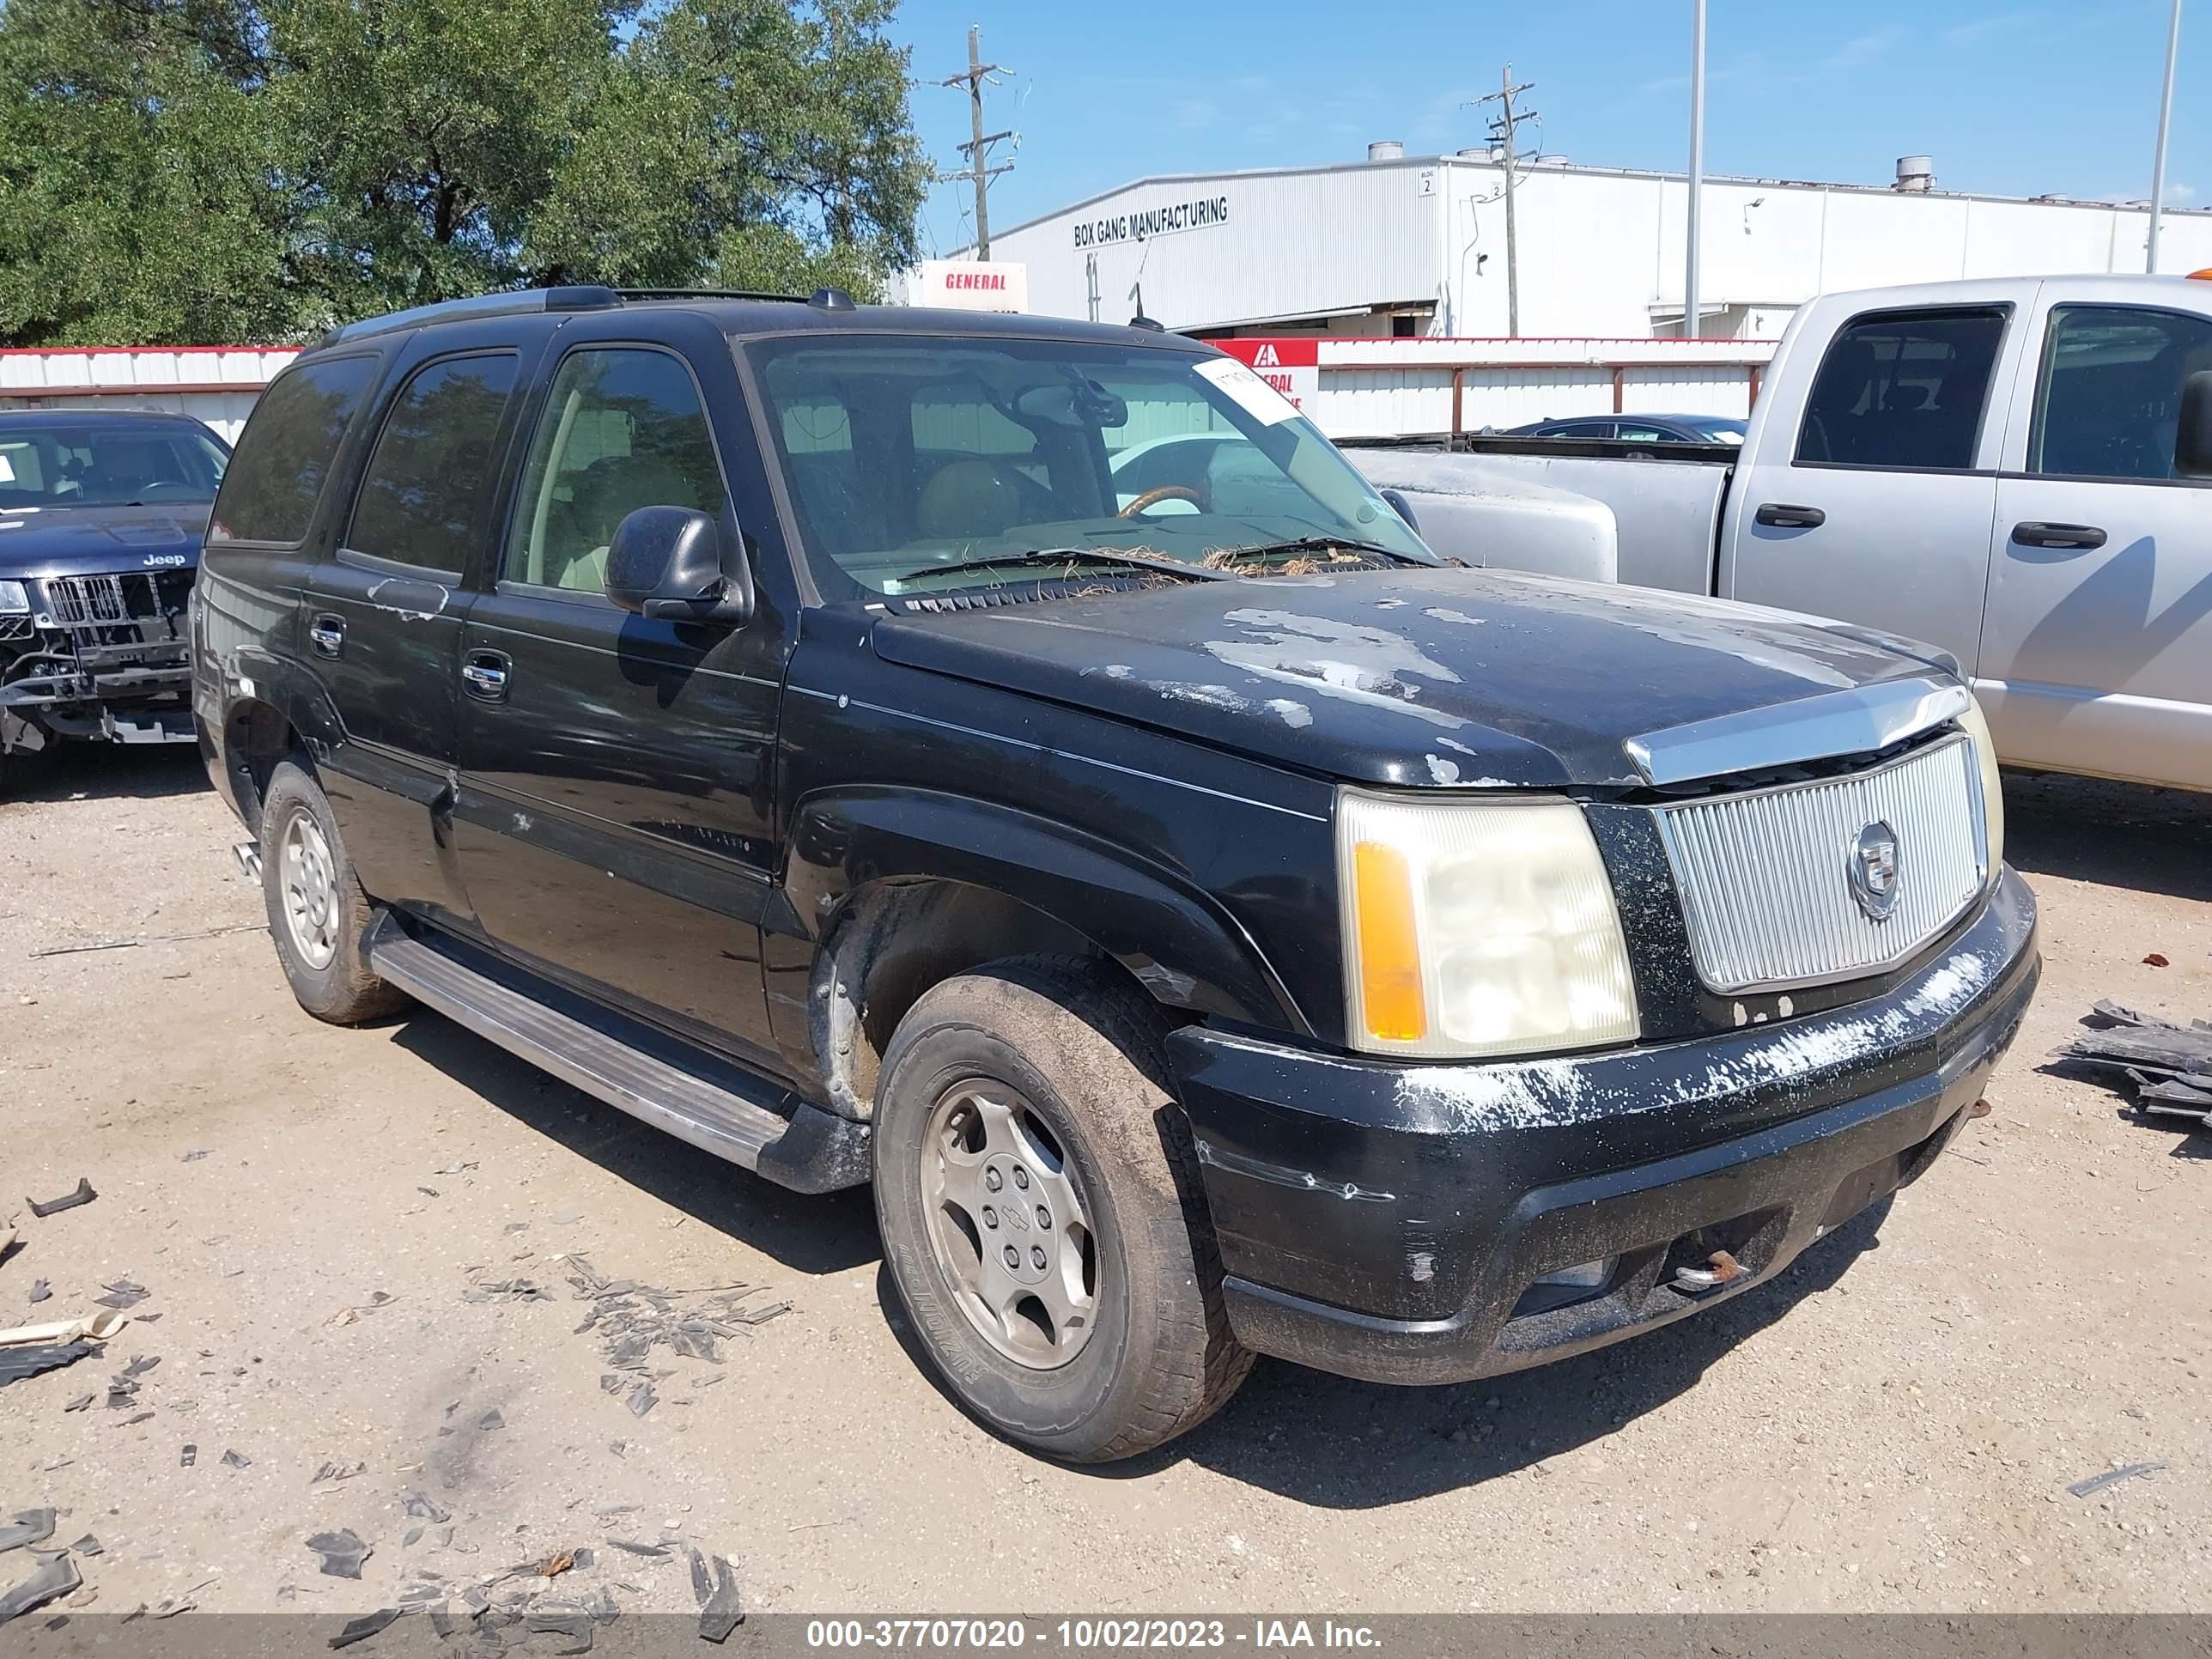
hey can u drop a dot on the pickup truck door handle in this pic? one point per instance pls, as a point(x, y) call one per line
point(2080, 536)
point(1777, 516)
point(484, 673)
point(327, 634)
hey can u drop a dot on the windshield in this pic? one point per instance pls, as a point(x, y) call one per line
point(106, 464)
point(906, 458)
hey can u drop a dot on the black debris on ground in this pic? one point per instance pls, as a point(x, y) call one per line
point(57, 1575)
point(232, 1459)
point(419, 1508)
point(632, 1319)
point(88, 1546)
point(413, 1537)
point(336, 1472)
point(343, 1553)
point(84, 1194)
point(123, 1293)
point(31, 1359)
point(195, 1156)
point(30, 1527)
point(39, 1290)
point(491, 1420)
point(189, 1457)
point(639, 1546)
point(725, 1610)
point(361, 1629)
point(133, 1422)
point(82, 1402)
point(2169, 1065)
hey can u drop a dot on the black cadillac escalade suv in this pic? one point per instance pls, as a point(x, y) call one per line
point(1018, 763)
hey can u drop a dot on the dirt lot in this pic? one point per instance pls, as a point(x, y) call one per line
point(1893, 1424)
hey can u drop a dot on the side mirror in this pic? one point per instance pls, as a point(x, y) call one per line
point(665, 562)
point(1404, 508)
point(2192, 436)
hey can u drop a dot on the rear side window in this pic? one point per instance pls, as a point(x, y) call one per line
point(2110, 396)
point(1904, 389)
point(270, 491)
point(422, 499)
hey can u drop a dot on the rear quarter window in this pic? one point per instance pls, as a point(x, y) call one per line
point(1901, 389)
point(283, 456)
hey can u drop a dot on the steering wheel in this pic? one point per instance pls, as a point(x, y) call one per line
point(1160, 493)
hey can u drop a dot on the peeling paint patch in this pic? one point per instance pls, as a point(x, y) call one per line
point(410, 589)
point(1370, 667)
point(1441, 770)
point(1291, 713)
point(1422, 1265)
point(1114, 670)
point(1213, 696)
point(1446, 614)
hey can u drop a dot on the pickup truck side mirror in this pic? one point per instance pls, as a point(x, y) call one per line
point(665, 563)
point(2192, 436)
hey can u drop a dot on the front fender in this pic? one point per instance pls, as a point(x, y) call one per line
point(1177, 941)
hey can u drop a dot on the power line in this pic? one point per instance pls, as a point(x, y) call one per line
point(1501, 135)
point(977, 150)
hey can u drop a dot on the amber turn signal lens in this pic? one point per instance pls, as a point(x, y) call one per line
point(1390, 950)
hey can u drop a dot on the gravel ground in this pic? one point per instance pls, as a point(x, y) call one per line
point(1890, 1425)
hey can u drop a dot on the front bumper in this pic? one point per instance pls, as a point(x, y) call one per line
point(1390, 1221)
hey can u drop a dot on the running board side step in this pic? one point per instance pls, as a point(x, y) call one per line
point(762, 1128)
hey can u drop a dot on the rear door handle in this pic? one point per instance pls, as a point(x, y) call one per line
point(2080, 536)
point(484, 673)
point(1775, 515)
point(327, 634)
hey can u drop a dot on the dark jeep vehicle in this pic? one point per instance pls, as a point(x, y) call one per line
point(101, 514)
point(1212, 925)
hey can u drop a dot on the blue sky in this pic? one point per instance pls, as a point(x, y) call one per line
point(2013, 99)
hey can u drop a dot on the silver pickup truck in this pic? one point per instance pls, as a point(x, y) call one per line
point(2013, 470)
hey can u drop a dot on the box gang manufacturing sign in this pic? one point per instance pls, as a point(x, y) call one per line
point(973, 284)
point(1164, 219)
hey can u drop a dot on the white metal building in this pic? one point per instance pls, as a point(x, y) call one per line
point(216, 384)
point(1416, 245)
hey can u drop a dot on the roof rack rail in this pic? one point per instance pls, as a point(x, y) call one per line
point(705, 294)
point(588, 296)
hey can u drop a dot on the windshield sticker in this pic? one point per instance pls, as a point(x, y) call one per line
point(1253, 395)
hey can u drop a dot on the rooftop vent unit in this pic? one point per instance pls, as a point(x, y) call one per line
point(1915, 174)
point(1386, 149)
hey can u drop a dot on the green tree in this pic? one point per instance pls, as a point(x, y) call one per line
point(193, 170)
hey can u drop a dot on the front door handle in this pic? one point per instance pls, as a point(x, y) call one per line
point(1776, 515)
point(2080, 536)
point(327, 634)
point(484, 673)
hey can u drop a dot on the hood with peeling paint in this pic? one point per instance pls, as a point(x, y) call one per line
point(1448, 677)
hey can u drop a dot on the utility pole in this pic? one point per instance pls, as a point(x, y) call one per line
point(1501, 134)
point(977, 150)
point(1691, 299)
point(2165, 116)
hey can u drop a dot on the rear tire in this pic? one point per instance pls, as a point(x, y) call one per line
point(1045, 1075)
point(317, 913)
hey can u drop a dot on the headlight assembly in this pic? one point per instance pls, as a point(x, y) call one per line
point(1478, 926)
point(1985, 751)
point(14, 599)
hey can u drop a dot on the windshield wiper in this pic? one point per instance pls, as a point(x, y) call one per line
point(1323, 543)
point(1065, 555)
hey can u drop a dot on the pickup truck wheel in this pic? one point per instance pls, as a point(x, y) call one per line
point(317, 911)
point(1042, 1214)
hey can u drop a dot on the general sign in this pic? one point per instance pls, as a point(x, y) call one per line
point(972, 284)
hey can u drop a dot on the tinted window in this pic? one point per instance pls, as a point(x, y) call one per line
point(423, 498)
point(2110, 396)
point(622, 429)
point(270, 491)
point(1903, 390)
point(108, 463)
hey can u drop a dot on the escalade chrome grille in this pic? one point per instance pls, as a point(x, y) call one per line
point(1766, 875)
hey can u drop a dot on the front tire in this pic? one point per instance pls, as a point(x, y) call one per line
point(317, 913)
point(1042, 1214)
